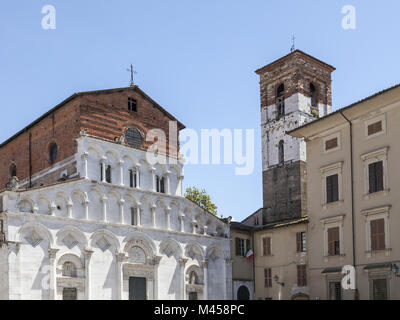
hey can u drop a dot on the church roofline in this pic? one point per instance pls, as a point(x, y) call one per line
point(272, 64)
point(84, 93)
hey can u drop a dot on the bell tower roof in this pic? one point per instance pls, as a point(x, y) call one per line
point(295, 55)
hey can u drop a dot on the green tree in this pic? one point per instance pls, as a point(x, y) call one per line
point(201, 198)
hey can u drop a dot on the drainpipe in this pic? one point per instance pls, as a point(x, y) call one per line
point(254, 263)
point(30, 160)
point(352, 198)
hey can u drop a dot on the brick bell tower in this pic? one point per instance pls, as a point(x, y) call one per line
point(294, 90)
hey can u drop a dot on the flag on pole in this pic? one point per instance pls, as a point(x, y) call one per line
point(250, 253)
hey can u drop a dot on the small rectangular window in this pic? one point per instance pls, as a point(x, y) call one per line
point(375, 171)
point(241, 246)
point(379, 287)
point(132, 105)
point(332, 188)
point(374, 128)
point(333, 241)
point(268, 278)
point(378, 234)
point(302, 275)
point(267, 246)
point(256, 221)
point(301, 242)
point(331, 144)
point(335, 291)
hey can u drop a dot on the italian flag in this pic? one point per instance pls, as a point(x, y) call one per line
point(250, 253)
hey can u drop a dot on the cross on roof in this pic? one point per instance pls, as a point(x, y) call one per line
point(132, 71)
point(293, 44)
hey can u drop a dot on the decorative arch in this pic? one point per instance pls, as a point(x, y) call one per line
point(68, 234)
point(194, 251)
point(40, 230)
point(44, 204)
point(69, 257)
point(171, 247)
point(112, 155)
point(26, 205)
point(141, 241)
point(147, 199)
point(95, 150)
point(215, 252)
point(104, 239)
point(196, 271)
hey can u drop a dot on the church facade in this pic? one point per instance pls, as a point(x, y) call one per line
point(85, 215)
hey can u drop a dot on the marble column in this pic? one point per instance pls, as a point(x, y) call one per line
point(227, 266)
point(121, 203)
point(88, 254)
point(181, 217)
point(53, 208)
point(14, 270)
point(69, 208)
point(103, 168)
point(168, 185)
point(193, 224)
point(139, 214)
point(205, 279)
point(168, 215)
point(182, 264)
point(121, 172)
point(84, 158)
point(120, 258)
point(153, 178)
point(104, 209)
point(153, 216)
point(180, 184)
point(86, 204)
point(156, 263)
point(53, 273)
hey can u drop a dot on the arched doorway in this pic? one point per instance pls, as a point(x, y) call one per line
point(243, 293)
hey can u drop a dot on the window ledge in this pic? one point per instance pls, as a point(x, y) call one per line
point(369, 196)
point(370, 253)
point(333, 204)
point(339, 256)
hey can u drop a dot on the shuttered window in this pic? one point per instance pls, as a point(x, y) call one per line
point(333, 241)
point(241, 246)
point(268, 278)
point(375, 171)
point(332, 188)
point(302, 275)
point(379, 288)
point(301, 242)
point(335, 291)
point(375, 128)
point(331, 144)
point(378, 234)
point(267, 246)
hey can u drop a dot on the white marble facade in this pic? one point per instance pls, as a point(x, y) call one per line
point(92, 236)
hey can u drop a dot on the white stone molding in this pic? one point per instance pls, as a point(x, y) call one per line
point(53, 275)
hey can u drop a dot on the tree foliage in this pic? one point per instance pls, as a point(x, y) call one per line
point(201, 198)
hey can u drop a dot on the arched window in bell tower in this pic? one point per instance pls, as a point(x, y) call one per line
point(281, 151)
point(280, 100)
point(313, 96)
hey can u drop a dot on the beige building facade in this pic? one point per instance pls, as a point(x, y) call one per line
point(339, 207)
point(353, 198)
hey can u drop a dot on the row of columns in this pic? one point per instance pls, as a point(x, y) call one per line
point(85, 157)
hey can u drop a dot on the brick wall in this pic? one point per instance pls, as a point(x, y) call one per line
point(296, 71)
point(103, 113)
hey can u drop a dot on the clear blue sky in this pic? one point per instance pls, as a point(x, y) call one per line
point(196, 58)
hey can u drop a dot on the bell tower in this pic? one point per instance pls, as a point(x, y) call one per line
point(294, 90)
